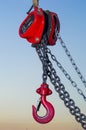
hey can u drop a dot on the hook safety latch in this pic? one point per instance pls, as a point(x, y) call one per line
point(43, 91)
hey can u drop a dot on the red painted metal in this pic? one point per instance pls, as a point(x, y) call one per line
point(54, 29)
point(44, 91)
point(33, 26)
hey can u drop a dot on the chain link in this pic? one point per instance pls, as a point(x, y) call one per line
point(41, 50)
point(66, 74)
point(64, 95)
point(72, 61)
point(59, 87)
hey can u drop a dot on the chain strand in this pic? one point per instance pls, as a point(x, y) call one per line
point(64, 95)
point(66, 74)
point(59, 87)
point(72, 61)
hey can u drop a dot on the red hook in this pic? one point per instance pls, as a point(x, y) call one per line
point(43, 91)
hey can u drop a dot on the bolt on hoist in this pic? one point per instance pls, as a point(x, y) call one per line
point(41, 28)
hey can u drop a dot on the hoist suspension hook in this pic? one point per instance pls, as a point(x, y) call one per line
point(35, 2)
point(43, 91)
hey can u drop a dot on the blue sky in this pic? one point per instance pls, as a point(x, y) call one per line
point(21, 69)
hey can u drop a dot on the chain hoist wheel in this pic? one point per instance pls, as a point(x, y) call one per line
point(53, 27)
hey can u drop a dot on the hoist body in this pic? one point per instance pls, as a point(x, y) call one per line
point(37, 23)
point(32, 27)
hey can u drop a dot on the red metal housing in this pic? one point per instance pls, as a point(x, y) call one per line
point(54, 28)
point(40, 22)
point(33, 26)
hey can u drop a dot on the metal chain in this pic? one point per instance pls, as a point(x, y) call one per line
point(64, 95)
point(72, 61)
point(66, 74)
point(59, 87)
point(42, 48)
point(44, 60)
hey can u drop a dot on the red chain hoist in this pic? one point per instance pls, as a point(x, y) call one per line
point(37, 23)
point(41, 28)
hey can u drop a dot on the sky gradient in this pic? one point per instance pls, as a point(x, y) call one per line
point(21, 69)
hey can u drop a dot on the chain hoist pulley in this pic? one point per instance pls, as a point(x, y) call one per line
point(41, 28)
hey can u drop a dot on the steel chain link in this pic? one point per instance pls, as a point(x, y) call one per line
point(41, 50)
point(59, 87)
point(72, 61)
point(66, 74)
